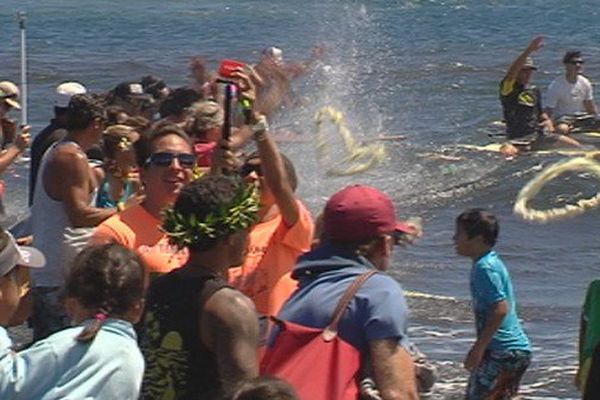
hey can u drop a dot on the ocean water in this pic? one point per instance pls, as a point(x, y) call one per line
point(428, 70)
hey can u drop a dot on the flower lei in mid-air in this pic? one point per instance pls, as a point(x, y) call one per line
point(238, 214)
point(534, 186)
point(357, 158)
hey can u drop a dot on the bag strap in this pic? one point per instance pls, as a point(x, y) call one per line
point(331, 330)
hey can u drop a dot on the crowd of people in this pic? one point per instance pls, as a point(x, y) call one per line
point(171, 258)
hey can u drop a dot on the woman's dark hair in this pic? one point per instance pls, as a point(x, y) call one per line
point(570, 55)
point(108, 279)
point(138, 122)
point(178, 101)
point(144, 147)
point(265, 388)
point(153, 85)
point(83, 109)
point(477, 221)
point(115, 115)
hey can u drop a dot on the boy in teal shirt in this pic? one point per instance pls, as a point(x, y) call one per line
point(501, 353)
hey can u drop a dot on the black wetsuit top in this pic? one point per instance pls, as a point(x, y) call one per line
point(522, 108)
point(178, 366)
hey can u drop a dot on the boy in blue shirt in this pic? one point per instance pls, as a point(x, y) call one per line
point(501, 353)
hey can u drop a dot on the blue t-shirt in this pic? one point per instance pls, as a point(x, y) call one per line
point(490, 283)
point(378, 310)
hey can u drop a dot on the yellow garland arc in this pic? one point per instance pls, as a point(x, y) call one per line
point(358, 158)
point(533, 187)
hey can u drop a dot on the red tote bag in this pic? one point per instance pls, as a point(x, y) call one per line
point(317, 362)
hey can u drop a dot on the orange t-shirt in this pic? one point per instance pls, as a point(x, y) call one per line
point(135, 229)
point(272, 252)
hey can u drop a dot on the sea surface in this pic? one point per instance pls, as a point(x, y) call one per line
point(428, 70)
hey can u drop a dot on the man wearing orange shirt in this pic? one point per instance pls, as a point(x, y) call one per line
point(166, 159)
point(284, 231)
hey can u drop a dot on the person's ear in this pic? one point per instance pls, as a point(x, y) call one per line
point(479, 240)
point(381, 251)
point(98, 123)
point(387, 244)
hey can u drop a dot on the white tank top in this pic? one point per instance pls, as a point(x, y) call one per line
point(49, 221)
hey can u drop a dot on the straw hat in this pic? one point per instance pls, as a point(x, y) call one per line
point(9, 92)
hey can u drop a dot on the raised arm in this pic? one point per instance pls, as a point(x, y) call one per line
point(536, 44)
point(273, 168)
point(276, 177)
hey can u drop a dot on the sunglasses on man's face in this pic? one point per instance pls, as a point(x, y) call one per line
point(165, 159)
point(247, 169)
point(576, 62)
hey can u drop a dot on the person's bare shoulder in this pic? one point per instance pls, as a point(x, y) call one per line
point(69, 157)
point(229, 308)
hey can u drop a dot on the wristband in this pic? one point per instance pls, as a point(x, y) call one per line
point(261, 125)
point(260, 129)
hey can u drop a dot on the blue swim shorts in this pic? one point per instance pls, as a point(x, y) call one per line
point(498, 375)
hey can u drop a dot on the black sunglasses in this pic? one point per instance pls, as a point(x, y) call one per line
point(576, 62)
point(247, 169)
point(165, 159)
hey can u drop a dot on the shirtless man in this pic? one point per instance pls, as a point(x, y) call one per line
point(203, 80)
point(64, 198)
point(274, 86)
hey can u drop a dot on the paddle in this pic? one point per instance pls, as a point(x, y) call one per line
point(21, 18)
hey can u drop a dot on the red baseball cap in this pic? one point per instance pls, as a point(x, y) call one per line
point(360, 212)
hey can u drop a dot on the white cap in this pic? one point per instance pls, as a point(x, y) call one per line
point(13, 255)
point(65, 91)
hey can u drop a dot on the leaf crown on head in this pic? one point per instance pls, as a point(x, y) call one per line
point(233, 216)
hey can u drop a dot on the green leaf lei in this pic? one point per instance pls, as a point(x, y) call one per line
point(229, 218)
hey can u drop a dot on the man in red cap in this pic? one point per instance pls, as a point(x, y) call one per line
point(358, 235)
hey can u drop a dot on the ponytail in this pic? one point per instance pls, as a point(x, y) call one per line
point(89, 332)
